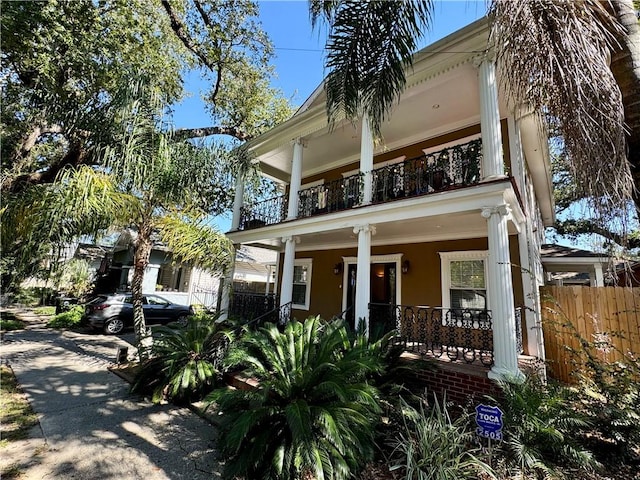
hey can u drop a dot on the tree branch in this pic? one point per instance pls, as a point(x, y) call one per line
point(186, 133)
point(181, 32)
point(578, 227)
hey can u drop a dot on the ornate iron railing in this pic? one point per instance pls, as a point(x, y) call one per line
point(249, 306)
point(332, 196)
point(434, 172)
point(267, 212)
point(463, 334)
point(520, 311)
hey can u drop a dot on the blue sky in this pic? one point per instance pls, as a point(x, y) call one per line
point(299, 57)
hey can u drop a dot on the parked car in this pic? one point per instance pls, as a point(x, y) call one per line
point(113, 313)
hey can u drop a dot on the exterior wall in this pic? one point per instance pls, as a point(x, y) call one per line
point(420, 286)
point(413, 151)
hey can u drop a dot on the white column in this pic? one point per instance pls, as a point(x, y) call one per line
point(286, 290)
point(505, 355)
point(363, 276)
point(226, 286)
point(238, 199)
point(599, 275)
point(492, 159)
point(296, 179)
point(531, 311)
point(366, 160)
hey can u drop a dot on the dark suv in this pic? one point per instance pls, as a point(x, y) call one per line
point(112, 313)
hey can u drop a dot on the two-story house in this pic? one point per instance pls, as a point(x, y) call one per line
point(434, 229)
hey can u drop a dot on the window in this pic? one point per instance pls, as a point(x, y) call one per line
point(301, 284)
point(464, 283)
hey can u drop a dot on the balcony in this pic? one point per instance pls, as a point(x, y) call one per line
point(450, 168)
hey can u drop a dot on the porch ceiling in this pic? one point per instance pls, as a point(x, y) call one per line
point(443, 104)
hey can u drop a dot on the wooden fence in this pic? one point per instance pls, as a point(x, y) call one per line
point(607, 316)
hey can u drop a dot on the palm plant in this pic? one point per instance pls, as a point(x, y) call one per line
point(541, 430)
point(313, 413)
point(434, 446)
point(185, 364)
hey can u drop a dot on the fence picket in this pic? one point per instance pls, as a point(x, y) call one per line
point(593, 313)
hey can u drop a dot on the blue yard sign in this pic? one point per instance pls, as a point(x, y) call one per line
point(489, 422)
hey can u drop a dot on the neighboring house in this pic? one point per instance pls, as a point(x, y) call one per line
point(436, 229)
point(573, 266)
point(183, 283)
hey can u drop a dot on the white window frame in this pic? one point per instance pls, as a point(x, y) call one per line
point(301, 262)
point(393, 161)
point(445, 271)
point(453, 143)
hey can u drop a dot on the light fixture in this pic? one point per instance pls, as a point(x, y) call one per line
point(405, 266)
point(337, 269)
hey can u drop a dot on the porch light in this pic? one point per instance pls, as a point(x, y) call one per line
point(337, 269)
point(405, 266)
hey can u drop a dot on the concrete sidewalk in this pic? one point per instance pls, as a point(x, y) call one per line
point(90, 426)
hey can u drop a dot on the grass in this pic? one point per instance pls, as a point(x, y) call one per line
point(8, 321)
point(45, 311)
point(16, 416)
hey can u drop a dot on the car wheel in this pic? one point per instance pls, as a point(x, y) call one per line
point(113, 326)
point(182, 320)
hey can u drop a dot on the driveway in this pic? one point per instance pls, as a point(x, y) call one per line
point(91, 427)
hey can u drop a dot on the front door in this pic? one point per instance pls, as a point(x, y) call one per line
point(383, 297)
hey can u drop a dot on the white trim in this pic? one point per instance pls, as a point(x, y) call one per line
point(377, 165)
point(300, 262)
point(452, 143)
point(390, 258)
point(311, 184)
point(445, 271)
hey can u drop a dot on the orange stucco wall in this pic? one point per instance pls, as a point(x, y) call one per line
point(420, 286)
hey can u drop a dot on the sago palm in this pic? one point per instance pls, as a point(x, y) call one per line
point(185, 364)
point(313, 413)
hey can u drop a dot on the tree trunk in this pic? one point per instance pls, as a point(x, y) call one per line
point(625, 65)
point(141, 254)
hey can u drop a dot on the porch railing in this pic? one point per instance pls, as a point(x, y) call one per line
point(248, 306)
point(430, 173)
point(434, 172)
point(332, 196)
point(267, 212)
point(463, 334)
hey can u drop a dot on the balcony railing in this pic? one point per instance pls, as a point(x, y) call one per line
point(463, 334)
point(448, 168)
point(267, 212)
point(333, 196)
point(453, 167)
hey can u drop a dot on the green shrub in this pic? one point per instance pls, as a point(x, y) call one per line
point(68, 319)
point(541, 430)
point(608, 394)
point(433, 446)
point(9, 322)
point(184, 364)
point(45, 311)
point(313, 414)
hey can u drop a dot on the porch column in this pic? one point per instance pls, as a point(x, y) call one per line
point(531, 302)
point(492, 159)
point(366, 160)
point(505, 355)
point(238, 199)
point(599, 275)
point(296, 179)
point(286, 290)
point(226, 287)
point(363, 276)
